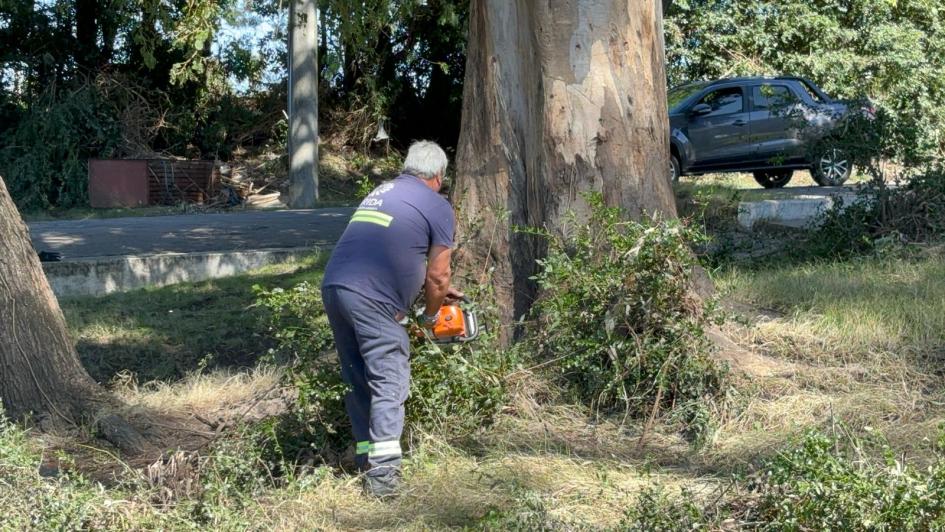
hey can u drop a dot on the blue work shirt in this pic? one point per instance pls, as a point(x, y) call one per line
point(382, 254)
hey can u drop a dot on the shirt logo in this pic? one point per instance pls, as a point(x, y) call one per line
point(372, 199)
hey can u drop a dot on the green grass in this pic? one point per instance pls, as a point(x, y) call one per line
point(890, 306)
point(165, 333)
point(854, 344)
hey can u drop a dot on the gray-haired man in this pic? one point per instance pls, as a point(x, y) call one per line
point(398, 241)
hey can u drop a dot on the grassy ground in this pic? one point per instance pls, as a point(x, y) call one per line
point(855, 347)
point(857, 342)
point(166, 333)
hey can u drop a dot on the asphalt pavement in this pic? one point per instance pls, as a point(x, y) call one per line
point(240, 231)
point(251, 230)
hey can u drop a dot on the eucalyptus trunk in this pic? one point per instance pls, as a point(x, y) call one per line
point(561, 97)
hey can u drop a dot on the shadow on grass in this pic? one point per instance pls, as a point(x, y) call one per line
point(165, 333)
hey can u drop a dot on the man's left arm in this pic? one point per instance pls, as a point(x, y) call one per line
point(437, 284)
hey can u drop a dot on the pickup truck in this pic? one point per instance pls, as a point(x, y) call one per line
point(767, 126)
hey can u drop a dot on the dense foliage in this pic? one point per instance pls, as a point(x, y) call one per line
point(881, 218)
point(891, 52)
point(822, 482)
point(620, 320)
point(81, 79)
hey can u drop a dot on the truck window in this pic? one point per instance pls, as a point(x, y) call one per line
point(814, 95)
point(772, 97)
point(724, 101)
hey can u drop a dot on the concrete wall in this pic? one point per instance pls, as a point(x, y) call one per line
point(798, 212)
point(104, 275)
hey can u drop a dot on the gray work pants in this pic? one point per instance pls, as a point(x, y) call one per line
point(374, 351)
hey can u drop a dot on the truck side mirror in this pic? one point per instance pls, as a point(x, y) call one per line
point(701, 109)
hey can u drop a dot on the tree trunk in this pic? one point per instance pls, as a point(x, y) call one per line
point(561, 97)
point(41, 377)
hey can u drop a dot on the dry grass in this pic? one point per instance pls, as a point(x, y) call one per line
point(204, 393)
point(841, 347)
point(448, 489)
point(858, 311)
point(861, 344)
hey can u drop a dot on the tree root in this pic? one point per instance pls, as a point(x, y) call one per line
point(117, 431)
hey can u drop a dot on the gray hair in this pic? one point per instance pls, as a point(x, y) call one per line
point(425, 159)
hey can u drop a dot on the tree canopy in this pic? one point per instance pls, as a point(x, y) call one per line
point(205, 79)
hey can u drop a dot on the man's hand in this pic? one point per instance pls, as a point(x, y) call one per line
point(427, 321)
point(453, 295)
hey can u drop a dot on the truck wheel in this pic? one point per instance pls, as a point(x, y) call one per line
point(674, 169)
point(773, 178)
point(831, 168)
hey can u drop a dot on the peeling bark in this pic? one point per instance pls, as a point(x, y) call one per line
point(561, 97)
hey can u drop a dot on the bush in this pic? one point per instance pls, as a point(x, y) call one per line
point(454, 389)
point(912, 212)
point(44, 159)
point(655, 511)
point(821, 486)
point(619, 317)
point(822, 483)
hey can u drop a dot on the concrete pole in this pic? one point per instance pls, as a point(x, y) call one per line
point(303, 104)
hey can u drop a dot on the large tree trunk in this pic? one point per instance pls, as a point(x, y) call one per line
point(561, 97)
point(303, 104)
point(41, 377)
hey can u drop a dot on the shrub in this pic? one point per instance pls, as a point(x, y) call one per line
point(913, 212)
point(619, 317)
point(44, 158)
point(820, 485)
point(455, 389)
point(655, 511)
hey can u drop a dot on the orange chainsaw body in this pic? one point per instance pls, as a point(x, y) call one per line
point(455, 324)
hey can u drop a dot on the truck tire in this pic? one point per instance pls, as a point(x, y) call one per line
point(675, 169)
point(831, 167)
point(773, 178)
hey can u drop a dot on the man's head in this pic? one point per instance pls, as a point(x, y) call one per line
point(427, 160)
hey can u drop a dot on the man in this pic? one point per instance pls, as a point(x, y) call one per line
point(397, 242)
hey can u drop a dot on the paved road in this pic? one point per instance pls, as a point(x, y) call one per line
point(190, 233)
point(234, 231)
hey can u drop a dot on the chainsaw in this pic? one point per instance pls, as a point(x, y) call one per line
point(455, 323)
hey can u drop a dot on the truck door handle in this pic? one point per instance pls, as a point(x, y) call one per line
point(739, 123)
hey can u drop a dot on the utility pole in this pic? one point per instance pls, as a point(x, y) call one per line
point(303, 104)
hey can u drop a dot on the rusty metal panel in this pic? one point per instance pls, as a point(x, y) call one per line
point(118, 183)
point(176, 181)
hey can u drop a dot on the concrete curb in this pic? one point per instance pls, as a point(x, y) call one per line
point(797, 212)
point(97, 276)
